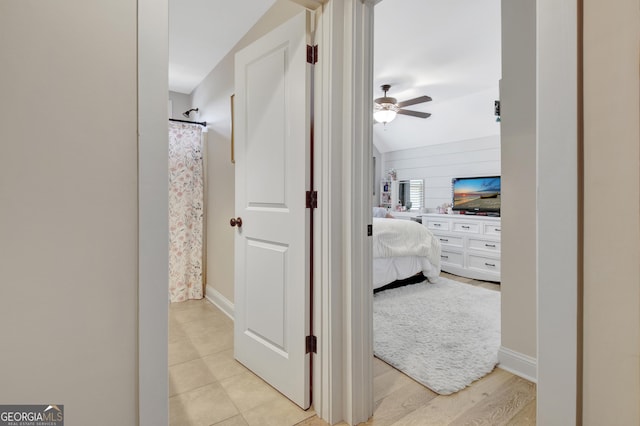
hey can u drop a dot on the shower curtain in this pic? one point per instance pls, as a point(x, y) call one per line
point(186, 199)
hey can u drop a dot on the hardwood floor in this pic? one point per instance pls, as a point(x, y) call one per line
point(497, 399)
point(208, 387)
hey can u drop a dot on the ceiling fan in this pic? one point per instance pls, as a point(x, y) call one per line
point(386, 108)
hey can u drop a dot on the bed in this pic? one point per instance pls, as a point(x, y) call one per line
point(402, 249)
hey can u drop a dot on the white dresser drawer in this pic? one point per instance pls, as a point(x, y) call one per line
point(451, 258)
point(470, 244)
point(437, 225)
point(446, 240)
point(477, 244)
point(492, 229)
point(484, 263)
point(472, 228)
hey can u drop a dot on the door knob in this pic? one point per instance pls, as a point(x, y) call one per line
point(236, 222)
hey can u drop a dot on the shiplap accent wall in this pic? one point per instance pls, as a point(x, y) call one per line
point(438, 164)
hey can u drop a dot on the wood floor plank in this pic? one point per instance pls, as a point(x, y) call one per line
point(399, 403)
point(443, 409)
point(526, 416)
point(380, 367)
point(388, 382)
point(501, 406)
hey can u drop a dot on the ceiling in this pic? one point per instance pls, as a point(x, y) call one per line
point(202, 32)
point(447, 49)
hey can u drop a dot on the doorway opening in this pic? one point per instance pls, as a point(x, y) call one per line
point(556, 119)
point(446, 77)
point(547, 126)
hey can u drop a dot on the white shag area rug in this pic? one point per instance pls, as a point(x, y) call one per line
point(444, 335)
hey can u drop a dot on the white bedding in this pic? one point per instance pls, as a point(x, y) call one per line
point(402, 248)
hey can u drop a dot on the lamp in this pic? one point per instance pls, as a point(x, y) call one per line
point(385, 112)
point(386, 107)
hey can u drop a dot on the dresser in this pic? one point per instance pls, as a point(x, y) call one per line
point(470, 244)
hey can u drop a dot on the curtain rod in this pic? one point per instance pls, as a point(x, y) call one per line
point(202, 123)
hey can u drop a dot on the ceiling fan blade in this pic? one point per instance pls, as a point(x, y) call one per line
point(418, 100)
point(414, 113)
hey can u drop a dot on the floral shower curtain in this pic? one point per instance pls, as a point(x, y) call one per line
point(186, 199)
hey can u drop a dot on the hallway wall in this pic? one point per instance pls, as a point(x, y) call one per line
point(69, 208)
point(611, 213)
point(181, 102)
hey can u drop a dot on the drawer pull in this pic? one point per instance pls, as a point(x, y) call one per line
point(437, 224)
point(444, 240)
point(465, 227)
point(490, 264)
point(490, 245)
point(442, 256)
point(496, 229)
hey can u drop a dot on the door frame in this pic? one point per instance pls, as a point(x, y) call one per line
point(153, 214)
point(343, 370)
point(558, 146)
point(344, 125)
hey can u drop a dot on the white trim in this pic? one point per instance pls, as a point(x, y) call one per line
point(221, 302)
point(328, 394)
point(153, 221)
point(557, 238)
point(343, 125)
point(519, 364)
point(356, 214)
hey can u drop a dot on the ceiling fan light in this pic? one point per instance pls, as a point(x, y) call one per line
point(385, 113)
point(384, 116)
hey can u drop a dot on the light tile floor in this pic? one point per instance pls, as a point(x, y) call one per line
point(207, 386)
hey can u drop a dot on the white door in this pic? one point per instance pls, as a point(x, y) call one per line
point(271, 128)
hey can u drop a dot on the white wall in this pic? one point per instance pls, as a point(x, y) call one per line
point(69, 208)
point(438, 164)
point(180, 103)
point(212, 97)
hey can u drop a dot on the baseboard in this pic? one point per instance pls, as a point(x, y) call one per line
point(518, 364)
point(224, 304)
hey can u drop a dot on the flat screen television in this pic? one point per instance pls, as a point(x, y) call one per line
point(477, 195)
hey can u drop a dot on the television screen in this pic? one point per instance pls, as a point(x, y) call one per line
point(477, 194)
